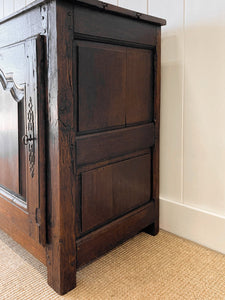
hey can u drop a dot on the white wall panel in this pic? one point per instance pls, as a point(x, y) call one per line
point(114, 2)
point(204, 106)
point(171, 96)
point(8, 7)
point(171, 10)
point(1, 9)
point(203, 227)
point(19, 4)
point(28, 1)
point(140, 5)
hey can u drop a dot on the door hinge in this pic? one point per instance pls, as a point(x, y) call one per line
point(38, 216)
point(44, 19)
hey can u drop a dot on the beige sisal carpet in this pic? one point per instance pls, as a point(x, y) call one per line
point(145, 267)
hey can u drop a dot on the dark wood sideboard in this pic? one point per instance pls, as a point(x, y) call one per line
point(79, 130)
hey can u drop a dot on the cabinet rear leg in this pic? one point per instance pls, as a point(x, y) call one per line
point(152, 229)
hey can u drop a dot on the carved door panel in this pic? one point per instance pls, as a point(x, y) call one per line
point(22, 137)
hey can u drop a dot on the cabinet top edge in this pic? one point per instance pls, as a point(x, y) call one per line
point(121, 11)
point(92, 3)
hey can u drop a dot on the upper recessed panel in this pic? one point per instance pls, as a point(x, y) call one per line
point(102, 81)
point(116, 86)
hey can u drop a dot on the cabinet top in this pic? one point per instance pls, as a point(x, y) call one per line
point(96, 4)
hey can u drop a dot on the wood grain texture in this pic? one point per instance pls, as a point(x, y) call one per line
point(104, 239)
point(42, 117)
point(140, 88)
point(92, 170)
point(61, 251)
point(112, 26)
point(22, 238)
point(101, 146)
point(126, 98)
point(154, 228)
point(31, 149)
point(102, 86)
point(122, 11)
point(25, 119)
point(111, 191)
point(86, 168)
point(94, 4)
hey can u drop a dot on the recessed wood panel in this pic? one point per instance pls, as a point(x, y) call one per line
point(111, 191)
point(115, 86)
point(140, 86)
point(101, 91)
point(12, 155)
point(9, 150)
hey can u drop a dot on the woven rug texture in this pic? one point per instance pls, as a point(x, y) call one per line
point(144, 267)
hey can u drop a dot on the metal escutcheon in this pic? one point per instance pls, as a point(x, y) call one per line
point(26, 139)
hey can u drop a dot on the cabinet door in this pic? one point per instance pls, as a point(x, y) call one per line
point(22, 151)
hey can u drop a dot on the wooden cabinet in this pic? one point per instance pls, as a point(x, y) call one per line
point(79, 130)
point(22, 140)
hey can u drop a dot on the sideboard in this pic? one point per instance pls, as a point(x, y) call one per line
point(79, 130)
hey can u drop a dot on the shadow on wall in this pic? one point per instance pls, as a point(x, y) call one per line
point(171, 116)
point(193, 90)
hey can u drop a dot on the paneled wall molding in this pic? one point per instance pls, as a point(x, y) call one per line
point(192, 165)
point(7, 7)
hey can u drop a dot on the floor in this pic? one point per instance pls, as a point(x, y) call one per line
point(145, 267)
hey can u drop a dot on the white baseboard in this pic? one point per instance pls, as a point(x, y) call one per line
point(202, 227)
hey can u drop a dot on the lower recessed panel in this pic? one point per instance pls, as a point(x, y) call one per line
point(109, 192)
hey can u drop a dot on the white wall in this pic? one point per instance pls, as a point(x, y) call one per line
point(9, 6)
point(192, 181)
point(192, 157)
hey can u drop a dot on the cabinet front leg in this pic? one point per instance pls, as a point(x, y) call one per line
point(61, 239)
point(61, 268)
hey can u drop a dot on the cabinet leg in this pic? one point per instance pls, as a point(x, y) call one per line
point(152, 229)
point(61, 272)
